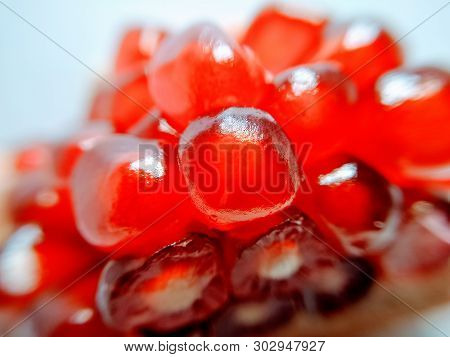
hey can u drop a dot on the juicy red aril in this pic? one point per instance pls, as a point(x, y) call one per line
point(423, 240)
point(353, 203)
point(291, 261)
point(250, 318)
point(137, 48)
point(128, 194)
point(281, 40)
point(239, 166)
point(363, 49)
point(407, 122)
point(33, 260)
point(130, 101)
point(71, 312)
point(180, 285)
point(314, 106)
point(68, 153)
point(201, 71)
point(42, 198)
point(34, 157)
point(154, 126)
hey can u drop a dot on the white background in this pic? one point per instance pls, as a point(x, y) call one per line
point(44, 92)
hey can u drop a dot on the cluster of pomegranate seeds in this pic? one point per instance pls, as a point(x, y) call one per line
point(220, 185)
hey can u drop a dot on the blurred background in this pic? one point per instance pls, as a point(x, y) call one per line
point(44, 92)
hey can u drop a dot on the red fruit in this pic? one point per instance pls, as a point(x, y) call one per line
point(181, 285)
point(407, 122)
point(422, 243)
point(128, 196)
point(239, 166)
point(130, 100)
point(70, 151)
point(154, 126)
point(33, 260)
point(137, 48)
point(35, 157)
point(353, 203)
point(72, 312)
point(42, 198)
point(201, 71)
point(250, 318)
point(293, 261)
point(281, 39)
point(314, 106)
point(99, 108)
point(363, 49)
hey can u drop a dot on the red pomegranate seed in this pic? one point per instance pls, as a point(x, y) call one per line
point(181, 285)
point(33, 260)
point(423, 241)
point(239, 166)
point(291, 261)
point(130, 100)
point(35, 157)
point(363, 49)
point(154, 126)
point(352, 202)
point(68, 153)
point(406, 122)
point(250, 318)
point(201, 71)
point(44, 199)
point(314, 106)
point(137, 47)
point(71, 312)
point(128, 194)
point(283, 38)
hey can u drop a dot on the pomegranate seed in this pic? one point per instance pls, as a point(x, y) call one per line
point(154, 126)
point(128, 194)
point(70, 313)
point(181, 285)
point(406, 121)
point(201, 71)
point(36, 157)
point(42, 198)
point(352, 202)
point(68, 153)
point(33, 260)
point(250, 318)
point(137, 47)
point(314, 106)
point(290, 261)
point(130, 100)
point(281, 40)
point(363, 49)
point(239, 166)
point(423, 241)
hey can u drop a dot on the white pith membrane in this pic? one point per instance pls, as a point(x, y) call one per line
point(179, 294)
point(19, 264)
point(281, 267)
point(375, 240)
